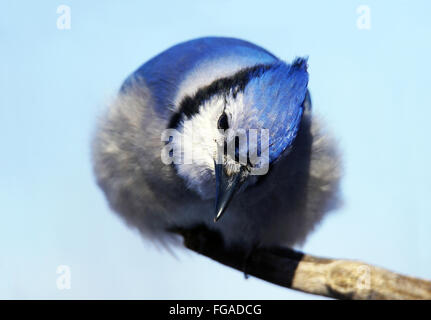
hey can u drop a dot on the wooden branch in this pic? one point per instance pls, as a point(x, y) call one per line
point(340, 279)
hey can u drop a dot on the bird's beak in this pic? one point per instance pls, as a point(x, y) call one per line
point(226, 186)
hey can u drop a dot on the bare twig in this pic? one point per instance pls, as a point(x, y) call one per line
point(340, 279)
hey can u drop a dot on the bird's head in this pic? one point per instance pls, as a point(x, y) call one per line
point(233, 129)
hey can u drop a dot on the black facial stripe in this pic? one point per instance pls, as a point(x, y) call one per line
point(225, 86)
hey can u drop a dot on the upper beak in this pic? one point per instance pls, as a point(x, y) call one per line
point(226, 187)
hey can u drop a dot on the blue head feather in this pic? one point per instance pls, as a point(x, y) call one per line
point(277, 96)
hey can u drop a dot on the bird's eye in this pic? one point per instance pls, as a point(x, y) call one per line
point(222, 122)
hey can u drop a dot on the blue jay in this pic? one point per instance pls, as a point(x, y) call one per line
point(203, 89)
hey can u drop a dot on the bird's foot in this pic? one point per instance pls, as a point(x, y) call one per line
point(247, 260)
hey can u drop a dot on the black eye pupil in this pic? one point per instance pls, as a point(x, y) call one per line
point(222, 122)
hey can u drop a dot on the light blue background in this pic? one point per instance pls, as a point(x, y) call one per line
point(371, 86)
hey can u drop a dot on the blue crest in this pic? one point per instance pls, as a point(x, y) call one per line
point(277, 97)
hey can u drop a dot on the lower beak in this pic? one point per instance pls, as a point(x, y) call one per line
point(226, 187)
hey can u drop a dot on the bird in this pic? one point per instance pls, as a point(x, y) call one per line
point(204, 90)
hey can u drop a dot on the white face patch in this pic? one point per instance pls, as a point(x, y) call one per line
point(201, 137)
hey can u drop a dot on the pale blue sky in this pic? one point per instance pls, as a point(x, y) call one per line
point(371, 86)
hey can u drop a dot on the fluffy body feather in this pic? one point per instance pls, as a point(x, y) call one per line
point(281, 207)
